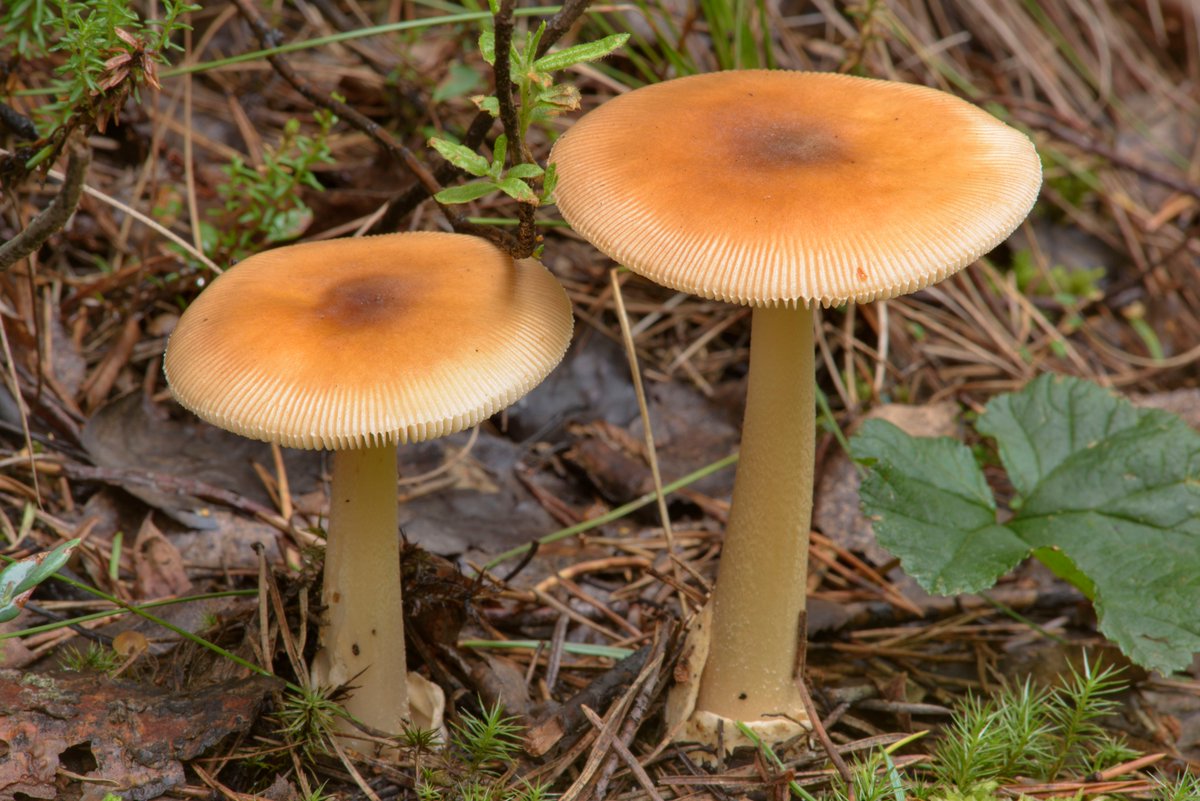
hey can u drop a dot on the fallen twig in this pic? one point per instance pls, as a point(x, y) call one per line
point(55, 215)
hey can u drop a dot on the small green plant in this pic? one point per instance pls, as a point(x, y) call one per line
point(1020, 733)
point(1183, 788)
point(1069, 287)
point(486, 740)
point(108, 52)
point(262, 206)
point(96, 658)
point(494, 177)
point(538, 99)
point(1033, 733)
point(20, 578)
point(1105, 494)
point(308, 719)
point(23, 26)
point(474, 765)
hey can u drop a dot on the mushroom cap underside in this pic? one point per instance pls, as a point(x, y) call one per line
point(776, 188)
point(358, 342)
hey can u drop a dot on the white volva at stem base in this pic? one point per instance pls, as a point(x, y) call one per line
point(760, 592)
point(362, 636)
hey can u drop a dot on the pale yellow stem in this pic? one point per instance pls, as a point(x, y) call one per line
point(760, 591)
point(362, 636)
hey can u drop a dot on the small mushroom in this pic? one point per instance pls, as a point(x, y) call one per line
point(780, 190)
point(356, 345)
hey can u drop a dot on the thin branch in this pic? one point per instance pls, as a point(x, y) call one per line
point(517, 151)
point(560, 23)
point(54, 216)
point(819, 728)
point(429, 183)
point(17, 123)
point(502, 69)
point(403, 204)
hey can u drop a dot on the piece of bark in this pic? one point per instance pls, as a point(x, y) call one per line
point(125, 738)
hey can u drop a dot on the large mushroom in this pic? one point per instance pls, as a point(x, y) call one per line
point(354, 346)
point(780, 190)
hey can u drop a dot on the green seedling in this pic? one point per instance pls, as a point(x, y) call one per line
point(476, 763)
point(1107, 495)
point(19, 579)
point(539, 98)
point(308, 720)
point(1021, 733)
point(493, 176)
point(94, 659)
point(263, 205)
point(1067, 286)
point(109, 53)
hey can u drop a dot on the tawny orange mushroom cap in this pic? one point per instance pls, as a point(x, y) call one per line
point(356, 342)
point(357, 345)
point(776, 188)
point(781, 190)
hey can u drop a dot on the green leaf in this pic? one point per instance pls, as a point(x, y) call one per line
point(499, 154)
point(461, 156)
point(14, 578)
point(529, 56)
point(561, 96)
point(517, 190)
point(1110, 500)
point(1051, 418)
point(525, 171)
point(589, 51)
point(487, 46)
point(466, 192)
point(488, 103)
point(933, 509)
point(47, 564)
point(1062, 566)
point(549, 183)
point(19, 579)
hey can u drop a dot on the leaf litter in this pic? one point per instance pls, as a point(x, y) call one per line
point(1098, 86)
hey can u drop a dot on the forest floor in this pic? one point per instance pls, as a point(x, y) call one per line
point(1101, 282)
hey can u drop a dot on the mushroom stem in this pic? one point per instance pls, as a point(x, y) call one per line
point(362, 634)
point(761, 582)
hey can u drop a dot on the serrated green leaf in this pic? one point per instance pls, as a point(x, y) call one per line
point(461, 156)
point(466, 192)
point(933, 509)
point(1062, 566)
point(517, 190)
point(1111, 501)
point(589, 51)
point(1051, 418)
point(525, 171)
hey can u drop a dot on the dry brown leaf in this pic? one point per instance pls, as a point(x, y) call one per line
point(157, 564)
